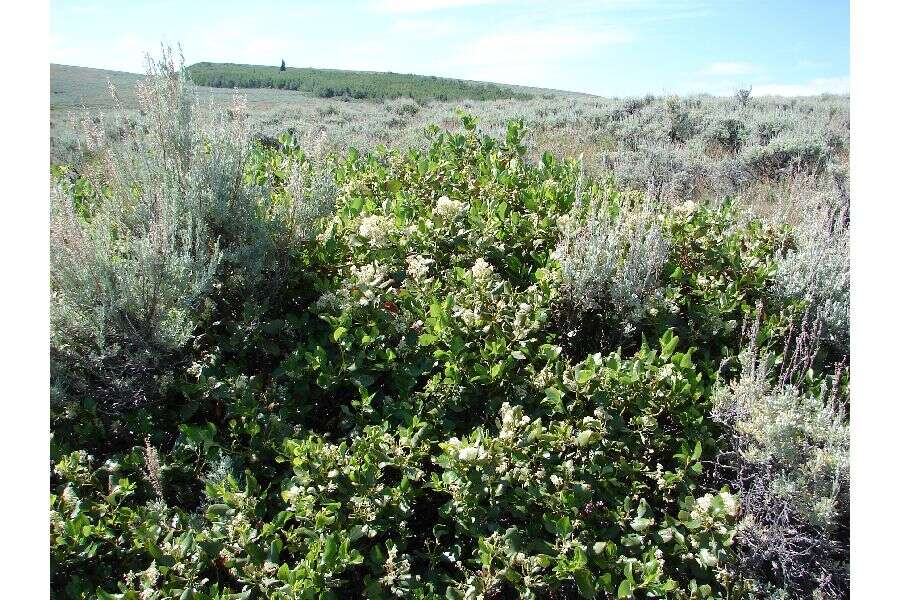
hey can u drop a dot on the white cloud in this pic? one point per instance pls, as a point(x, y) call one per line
point(813, 87)
point(531, 57)
point(427, 28)
point(728, 69)
point(812, 64)
point(420, 6)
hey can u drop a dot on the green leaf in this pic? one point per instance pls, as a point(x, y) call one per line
point(563, 526)
point(641, 523)
point(453, 594)
point(698, 450)
point(331, 550)
point(585, 583)
point(668, 343)
point(554, 396)
point(339, 333)
point(217, 510)
point(624, 589)
point(584, 437)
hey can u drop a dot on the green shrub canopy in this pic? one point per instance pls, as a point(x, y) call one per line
point(402, 407)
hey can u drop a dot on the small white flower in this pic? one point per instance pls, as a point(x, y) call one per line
point(293, 493)
point(687, 208)
point(417, 266)
point(447, 209)
point(482, 269)
point(375, 228)
point(468, 316)
point(469, 454)
point(473, 453)
point(731, 503)
point(704, 503)
point(152, 574)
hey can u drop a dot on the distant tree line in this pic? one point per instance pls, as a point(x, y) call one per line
point(331, 83)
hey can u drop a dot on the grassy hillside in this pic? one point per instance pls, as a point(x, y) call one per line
point(330, 83)
point(74, 87)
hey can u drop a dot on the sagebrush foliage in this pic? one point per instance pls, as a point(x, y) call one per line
point(377, 397)
point(692, 147)
point(135, 246)
point(791, 466)
point(816, 266)
point(612, 255)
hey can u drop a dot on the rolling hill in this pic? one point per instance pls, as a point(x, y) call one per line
point(330, 83)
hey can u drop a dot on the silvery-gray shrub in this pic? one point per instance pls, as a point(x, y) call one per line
point(816, 267)
point(787, 153)
point(727, 132)
point(131, 278)
point(742, 96)
point(311, 189)
point(675, 172)
point(789, 463)
point(612, 252)
point(681, 122)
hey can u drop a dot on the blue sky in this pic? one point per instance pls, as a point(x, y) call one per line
point(606, 47)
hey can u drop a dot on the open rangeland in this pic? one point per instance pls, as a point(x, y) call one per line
point(548, 345)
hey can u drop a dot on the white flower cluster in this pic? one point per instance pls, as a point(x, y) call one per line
point(417, 266)
point(512, 420)
point(376, 229)
point(703, 506)
point(150, 575)
point(447, 209)
point(687, 207)
point(292, 494)
point(397, 573)
point(467, 315)
point(482, 270)
point(364, 286)
point(731, 503)
point(371, 280)
point(466, 453)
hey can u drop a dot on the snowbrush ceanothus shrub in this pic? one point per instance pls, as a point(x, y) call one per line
point(364, 382)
